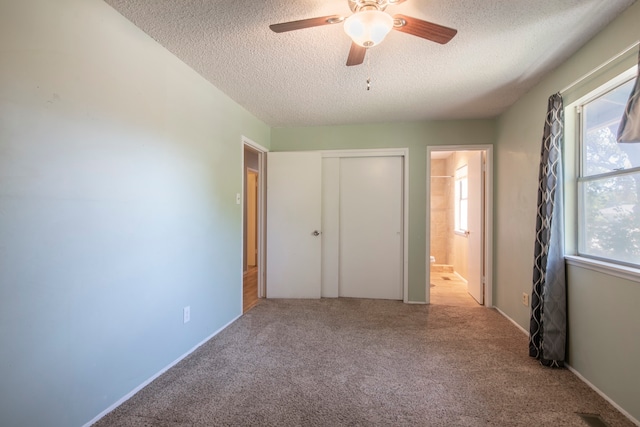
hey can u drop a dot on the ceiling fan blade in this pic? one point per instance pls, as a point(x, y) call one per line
point(306, 23)
point(426, 30)
point(356, 54)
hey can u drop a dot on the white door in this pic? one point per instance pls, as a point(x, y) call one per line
point(371, 196)
point(294, 182)
point(475, 286)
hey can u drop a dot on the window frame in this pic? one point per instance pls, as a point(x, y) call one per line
point(461, 175)
point(603, 264)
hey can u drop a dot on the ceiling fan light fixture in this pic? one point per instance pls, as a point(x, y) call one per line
point(368, 27)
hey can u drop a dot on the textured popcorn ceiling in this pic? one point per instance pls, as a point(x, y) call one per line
point(299, 78)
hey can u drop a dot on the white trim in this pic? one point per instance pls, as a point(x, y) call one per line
point(405, 208)
point(574, 213)
point(373, 152)
point(488, 218)
point(580, 376)
point(488, 228)
point(416, 302)
point(156, 375)
point(460, 277)
point(608, 86)
point(254, 145)
point(621, 271)
point(600, 67)
point(389, 152)
point(601, 393)
point(262, 224)
point(512, 321)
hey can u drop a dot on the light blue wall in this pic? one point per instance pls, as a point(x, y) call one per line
point(119, 168)
point(416, 137)
point(604, 322)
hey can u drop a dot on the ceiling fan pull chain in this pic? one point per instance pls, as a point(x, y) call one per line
point(369, 71)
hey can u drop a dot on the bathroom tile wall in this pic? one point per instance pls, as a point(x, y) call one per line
point(441, 213)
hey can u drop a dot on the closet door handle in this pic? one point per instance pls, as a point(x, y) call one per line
point(316, 233)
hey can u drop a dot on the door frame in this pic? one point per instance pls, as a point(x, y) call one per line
point(262, 229)
point(389, 152)
point(488, 218)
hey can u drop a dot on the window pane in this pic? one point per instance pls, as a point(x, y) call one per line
point(462, 194)
point(611, 225)
point(464, 188)
point(601, 152)
point(464, 215)
point(457, 206)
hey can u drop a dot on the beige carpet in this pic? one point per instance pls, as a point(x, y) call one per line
point(348, 362)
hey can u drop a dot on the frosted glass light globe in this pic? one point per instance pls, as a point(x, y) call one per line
point(368, 28)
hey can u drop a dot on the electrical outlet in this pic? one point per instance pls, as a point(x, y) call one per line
point(525, 299)
point(186, 314)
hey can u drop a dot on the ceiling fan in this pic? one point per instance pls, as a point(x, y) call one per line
point(370, 24)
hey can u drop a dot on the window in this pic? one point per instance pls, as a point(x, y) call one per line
point(462, 201)
point(608, 181)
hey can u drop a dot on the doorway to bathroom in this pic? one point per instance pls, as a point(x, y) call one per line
point(459, 218)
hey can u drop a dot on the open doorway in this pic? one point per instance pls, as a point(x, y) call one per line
point(253, 230)
point(251, 223)
point(459, 224)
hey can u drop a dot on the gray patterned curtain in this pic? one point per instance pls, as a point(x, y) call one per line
point(547, 339)
point(629, 130)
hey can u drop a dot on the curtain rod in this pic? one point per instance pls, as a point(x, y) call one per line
point(441, 176)
point(595, 70)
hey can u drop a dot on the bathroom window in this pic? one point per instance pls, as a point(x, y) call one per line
point(608, 180)
point(462, 201)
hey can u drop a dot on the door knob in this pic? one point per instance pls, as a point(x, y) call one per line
point(316, 233)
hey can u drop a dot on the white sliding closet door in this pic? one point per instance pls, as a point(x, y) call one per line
point(371, 231)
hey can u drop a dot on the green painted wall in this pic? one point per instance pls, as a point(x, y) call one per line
point(119, 168)
point(604, 327)
point(416, 137)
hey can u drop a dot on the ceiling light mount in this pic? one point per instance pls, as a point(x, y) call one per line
point(360, 5)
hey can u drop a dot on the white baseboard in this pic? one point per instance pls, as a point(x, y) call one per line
point(579, 375)
point(460, 277)
point(604, 396)
point(512, 321)
point(416, 302)
point(156, 375)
